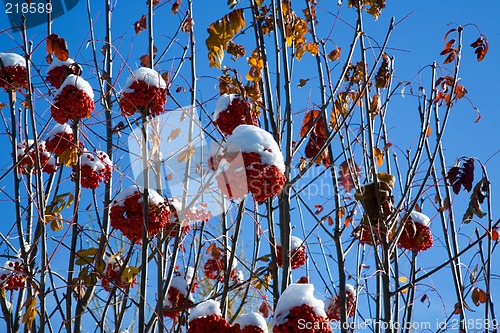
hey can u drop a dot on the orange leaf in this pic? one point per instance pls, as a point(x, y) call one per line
point(379, 154)
point(478, 296)
point(428, 132)
point(494, 234)
point(57, 46)
point(140, 25)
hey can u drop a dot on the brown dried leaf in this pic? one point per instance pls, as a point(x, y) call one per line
point(478, 296)
point(302, 82)
point(334, 55)
point(176, 6)
point(57, 46)
point(140, 25)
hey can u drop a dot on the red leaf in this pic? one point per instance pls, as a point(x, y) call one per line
point(461, 176)
point(345, 179)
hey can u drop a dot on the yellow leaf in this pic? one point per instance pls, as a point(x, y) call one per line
point(312, 48)
point(379, 154)
point(69, 157)
point(30, 314)
point(403, 279)
point(341, 212)
point(174, 134)
point(56, 222)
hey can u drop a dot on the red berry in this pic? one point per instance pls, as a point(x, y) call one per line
point(333, 305)
point(111, 276)
point(232, 111)
point(416, 235)
point(13, 73)
point(73, 100)
point(58, 71)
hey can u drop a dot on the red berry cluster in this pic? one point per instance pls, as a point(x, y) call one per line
point(297, 256)
point(143, 96)
point(127, 216)
point(95, 168)
point(415, 237)
point(71, 103)
point(209, 324)
point(13, 77)
point(362, 233)
point(57, 75)
point(27, 158)
point(237, 113)
point(215, 267)
point(12, 276)
point(263, 181)
point(303, 314)
point(112, 279)
point(333, 309)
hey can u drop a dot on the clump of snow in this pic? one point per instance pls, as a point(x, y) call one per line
point(189, 274)
point(420, 218)
point(252, 319)
point(154, 197)
point(295, 296)
point(59, 129)
point(58, 63)
point(97, 161)
point(253, 139)
point(79, 83)
point(207, 308)
point(223, 103)
point(295, 242)
point(148, 76)
point(350, 289)
point(12, 59)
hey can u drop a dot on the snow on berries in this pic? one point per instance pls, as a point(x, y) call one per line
point(73, 100)
point(297, 253)
point(332, 305)
point(127, 215)
point(298, 306)
point(13, 275)
point(232, 110)
point(59, 70)
point(206, 317)
point(416, 235)
point(26, 155)
point(60, 139)
point(95, 168)
point(112, 278)
point(178, 297)
point(13, 73)
point(250, 153)
point(144, 89)
point(250, 323)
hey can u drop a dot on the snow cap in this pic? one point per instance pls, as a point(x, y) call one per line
point(252, 319)
point(148, 76)
point(223, 103)
point(120, 198)
point(420, 218)
point(58, 63)
point(253, 139)
point(207, 308)
point(12, 60)
point(79, 83)
point(297, 295)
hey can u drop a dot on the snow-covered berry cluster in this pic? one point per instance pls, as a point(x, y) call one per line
point(250, 323)
point(197, 212)
point(416, 235)
point(249, 153)
point(13, 73)
point(178, 297)
point(59, 70)
point(127, 215)
point(95, 168)
point(73, 100)
point(26, 155)
point(12, 275)
point(112, 278)
point(144, 89)
point(297, 253)
point(332, 305)
point(298, 305)
point(230, 112)
point(60, 139)
point(206, 317)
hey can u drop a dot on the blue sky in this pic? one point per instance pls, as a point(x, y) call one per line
point(415, 43)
